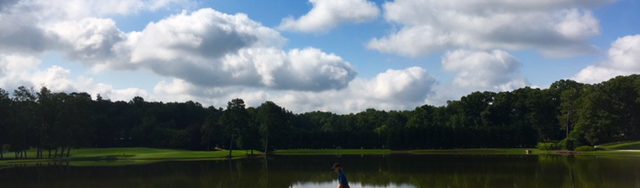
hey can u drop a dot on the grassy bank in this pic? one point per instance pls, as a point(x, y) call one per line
point(635, 145)
point(333, 152)
point(132, 156)
point(124, 156)
point(474, 151)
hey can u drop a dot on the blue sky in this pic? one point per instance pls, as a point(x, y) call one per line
point(341, 56)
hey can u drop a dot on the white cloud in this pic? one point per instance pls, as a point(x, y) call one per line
point(412, 84)
point(205, 55)
point(328, 14)
point(494, 70)
point(71, 26)
point(126, 94)
point(77, 9)
point(393, 89)
point(20, 33)
point(55, 78)
point(554, 28)
point(89, 40)
point(302, 69)
point(623, 59)
point(209, 48)
point(160, 4)
point(24, 70)
point(205, 33)
point(34, 25)
point(205, 47)
point(16, 70)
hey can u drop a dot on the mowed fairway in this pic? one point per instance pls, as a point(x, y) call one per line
point(139, 155)
point(126, 156)
point(622, 146)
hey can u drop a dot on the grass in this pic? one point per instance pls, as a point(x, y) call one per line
point(633, 145)
point(482, 151)
point(333, 152)
point(134, 156)
point(472, 151)
point(124, 156)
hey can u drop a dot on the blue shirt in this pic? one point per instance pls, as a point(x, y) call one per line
point(342, 179)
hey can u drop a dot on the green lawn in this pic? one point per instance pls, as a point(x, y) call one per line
point(482, 151)
point(130, 156)
point(474, 151)
point(633, 145)
point(126, 156)
point(333, 152)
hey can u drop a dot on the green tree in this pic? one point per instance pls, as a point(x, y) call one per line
point(234, 119)
point(273, 121)
point(212, 131)
point(596, 121)
point(5, 114)
point(25, 120)
point(48, 112)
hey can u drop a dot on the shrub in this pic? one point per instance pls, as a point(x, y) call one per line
point(568, 144)
point(548, 146)
point(586, 148)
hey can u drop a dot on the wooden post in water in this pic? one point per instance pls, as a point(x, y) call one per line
point(230, 146)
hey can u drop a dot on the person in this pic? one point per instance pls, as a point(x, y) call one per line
point(342, 178)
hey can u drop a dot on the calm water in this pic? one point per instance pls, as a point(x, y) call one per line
point(363, 171)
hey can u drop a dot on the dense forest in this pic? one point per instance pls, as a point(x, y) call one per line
point(568, 112)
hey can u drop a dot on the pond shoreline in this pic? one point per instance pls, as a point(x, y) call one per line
point(136, 156)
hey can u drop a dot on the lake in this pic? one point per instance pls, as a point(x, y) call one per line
point(406, 171)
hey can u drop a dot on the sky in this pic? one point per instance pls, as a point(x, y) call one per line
point(342, 56)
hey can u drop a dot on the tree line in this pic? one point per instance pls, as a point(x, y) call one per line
point(570, 113)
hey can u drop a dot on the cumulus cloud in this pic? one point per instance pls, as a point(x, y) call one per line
point(477, 70)
point(623, 59)
point(393, 89)
point(554, 28)
point(204, 47)
point(34, 26)
point(77, 9)
point(16, 70)
point(19, 34)
point(89, 40)
point(302, 69)
point(209, 48)
point(205, 33)
point(25, 70)
point(493, 70)
point(204, 55)
point(328, 14)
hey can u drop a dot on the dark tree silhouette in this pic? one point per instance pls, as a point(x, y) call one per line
point(568, 112)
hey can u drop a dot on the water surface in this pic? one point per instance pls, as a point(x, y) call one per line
point(394, 171)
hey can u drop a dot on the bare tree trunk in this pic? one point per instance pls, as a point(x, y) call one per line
point(49, 153)
point(62, 149)
point(266, 144)
point(230, 146)
point(55, 154)
point(68, 151)
point(1, 152)
point(25, 154)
